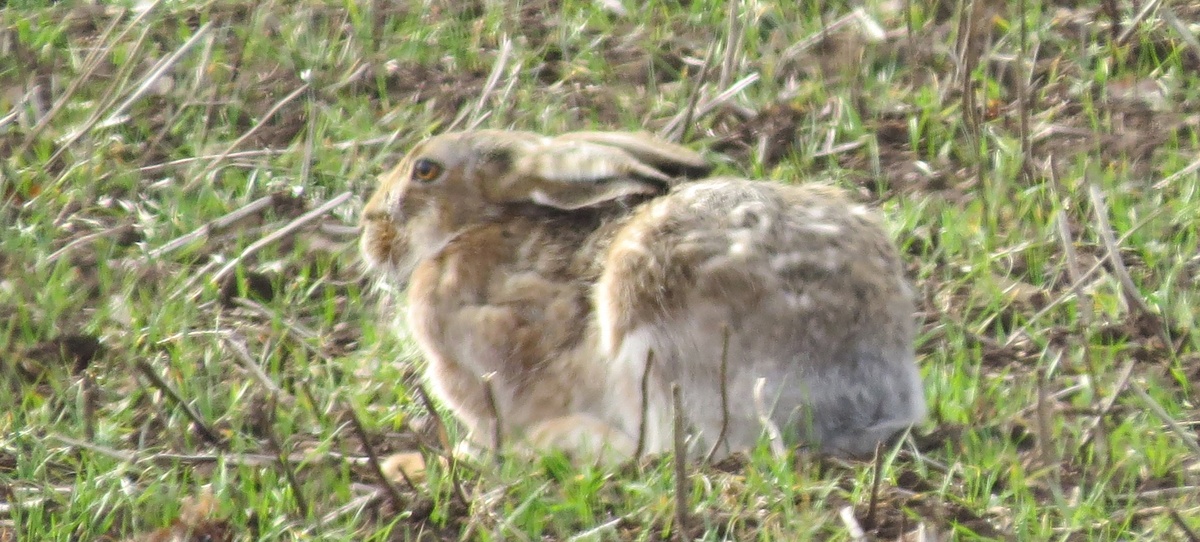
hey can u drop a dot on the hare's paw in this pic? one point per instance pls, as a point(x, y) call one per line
point(405, 467)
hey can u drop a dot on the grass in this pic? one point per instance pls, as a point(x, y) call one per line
point(143, 393)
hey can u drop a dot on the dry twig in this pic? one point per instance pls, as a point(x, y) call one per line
point(90, 63)
point(373, 460)
point(1107, 404)
point(153, 75)
point(1183, 526)
point(676, 130)
point(216, 225)
point(253, 130)
point(498, 422)
point(1130, 28)
point(1183, 433)
point(735, 34)
point(876, 479)
point(1129, 290)
point(1084, 306)
point(444, 437)
point(242, 354)
point(202, 427)
point(479, 112)
point(724, 383)
point(281, 233)
point(682, 488)
point(764, 417)
point(107, 232)
point(284, 463)
point(1182, 29)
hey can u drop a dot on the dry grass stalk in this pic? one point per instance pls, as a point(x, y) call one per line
point(216, 225)
point(480, 113)
point(724, 382)
point(1185, 435)
point(677, 129)
point(1084, 306)
point(202, 427)
point(1130, 28)
point(682, 487)
point(285, 463)
point(876, 480)
point(498, 423)
point(1129, 290)
point(373, 460)
point(281, 233)
point(444, 438)
point(774, 436)
point(1183, 526)
point(90, 63)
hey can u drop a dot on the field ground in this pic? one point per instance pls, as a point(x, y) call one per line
point(184, 347)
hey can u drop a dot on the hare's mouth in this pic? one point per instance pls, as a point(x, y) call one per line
point(394, 251)
point(381, 250)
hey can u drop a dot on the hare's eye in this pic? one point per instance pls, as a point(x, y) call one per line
point(426, 170)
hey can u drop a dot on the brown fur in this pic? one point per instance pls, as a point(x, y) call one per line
point(553, 267)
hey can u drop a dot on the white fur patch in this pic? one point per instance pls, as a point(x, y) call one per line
point(605, 317)
point(627, 366)
point(783, 262)
point(741, 242)
point(635, 346)
point(822, 228)
point(541, 198)
point(833, 258)
point(659, 211)
point(802, 302)
point(634, 245)
point(696, 191)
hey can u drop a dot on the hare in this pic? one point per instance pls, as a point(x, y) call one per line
point(560, 286)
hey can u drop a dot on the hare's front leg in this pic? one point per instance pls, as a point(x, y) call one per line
point(582, 436)
point(480, 364)
point(505, 346)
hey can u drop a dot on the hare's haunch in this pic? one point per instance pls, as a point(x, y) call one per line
point(552, 269)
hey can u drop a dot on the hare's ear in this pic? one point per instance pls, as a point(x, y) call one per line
point(572, 174)
point(669, 158)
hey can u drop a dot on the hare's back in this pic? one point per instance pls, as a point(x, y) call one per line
point(794, 286)
point(800, 267)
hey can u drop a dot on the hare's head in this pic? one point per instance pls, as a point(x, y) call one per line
point(453, 181)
